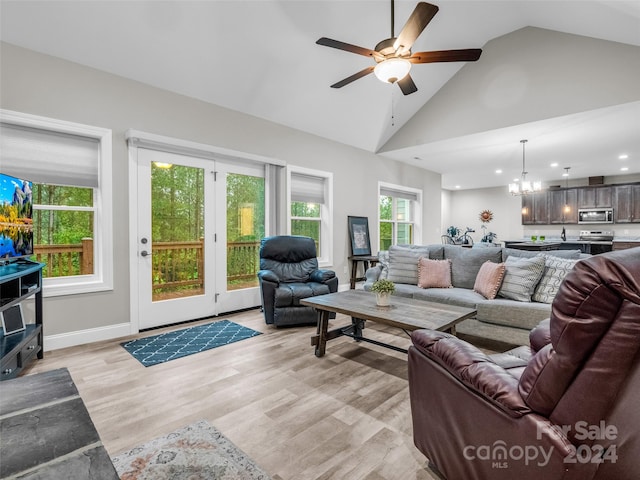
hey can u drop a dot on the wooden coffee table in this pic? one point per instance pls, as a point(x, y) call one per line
point(404, 313)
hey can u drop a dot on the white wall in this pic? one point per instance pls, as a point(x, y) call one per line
point(466, 206)
point(527, 75)
point(51, 87)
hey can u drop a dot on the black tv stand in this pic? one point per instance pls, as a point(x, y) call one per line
point(20, 280)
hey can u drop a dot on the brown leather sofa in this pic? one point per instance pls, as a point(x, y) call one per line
point(565, 407)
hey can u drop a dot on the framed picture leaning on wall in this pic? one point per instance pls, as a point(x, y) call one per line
point(359, 235)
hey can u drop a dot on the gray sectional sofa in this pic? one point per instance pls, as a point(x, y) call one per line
point(501, 320)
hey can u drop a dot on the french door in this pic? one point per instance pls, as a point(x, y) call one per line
point(199, 225)
point(240, 225)
point(176, 264)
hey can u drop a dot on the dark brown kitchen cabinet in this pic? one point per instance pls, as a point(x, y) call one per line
point(563, 206)
point(595, 197)
point(535, 210)
point(627, 204)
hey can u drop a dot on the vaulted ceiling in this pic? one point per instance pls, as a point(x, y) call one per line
point(260, 58)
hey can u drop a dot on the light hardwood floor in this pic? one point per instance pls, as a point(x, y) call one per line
point(343, 416)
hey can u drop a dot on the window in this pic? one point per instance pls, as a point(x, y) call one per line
point(70, 167)
point(311, 208)
point(399, 211)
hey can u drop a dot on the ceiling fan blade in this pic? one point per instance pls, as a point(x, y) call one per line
point(407, 86)
point(419, 19)
point(328, 42)
point(466, 55)
point(353, 77)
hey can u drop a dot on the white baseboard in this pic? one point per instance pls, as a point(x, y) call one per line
point(81, 337)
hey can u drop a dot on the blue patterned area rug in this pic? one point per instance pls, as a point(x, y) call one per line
point(180, 343)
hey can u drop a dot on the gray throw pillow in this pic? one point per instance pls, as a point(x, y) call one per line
point(521, 277)
point(514, 252)
point(403, 263)
point(555, 269)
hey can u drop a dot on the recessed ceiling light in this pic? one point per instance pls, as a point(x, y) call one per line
point(516, 179)
point(624, 156)
point(554, 164)
point(499, 170)
point(457, 186)
point(565, 174)
point(624, 169)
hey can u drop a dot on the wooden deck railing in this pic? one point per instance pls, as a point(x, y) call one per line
point(243, 261)
point(66, 260)
point(178, 265)
point(175, 264)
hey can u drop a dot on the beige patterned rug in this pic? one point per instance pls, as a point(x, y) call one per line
point(195, 452)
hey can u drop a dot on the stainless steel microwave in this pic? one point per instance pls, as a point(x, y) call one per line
point(595, 215)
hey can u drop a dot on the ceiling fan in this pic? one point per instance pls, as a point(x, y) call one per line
point(393, 55)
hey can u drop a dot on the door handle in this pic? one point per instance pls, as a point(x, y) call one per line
point(144, 253)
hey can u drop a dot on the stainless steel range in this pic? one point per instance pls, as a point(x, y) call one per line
point(600, 241)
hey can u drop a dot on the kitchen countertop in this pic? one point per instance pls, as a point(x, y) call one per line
point(535, 246)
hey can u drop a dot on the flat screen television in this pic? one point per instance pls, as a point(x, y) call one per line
point(16, 218)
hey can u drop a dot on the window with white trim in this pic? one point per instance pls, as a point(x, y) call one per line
point(310, 213)
point(70, 167)
point(399, 213)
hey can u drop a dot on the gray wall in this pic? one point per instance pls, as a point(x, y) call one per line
point(43, 85)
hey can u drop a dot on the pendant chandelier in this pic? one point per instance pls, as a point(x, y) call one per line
point(524, 186)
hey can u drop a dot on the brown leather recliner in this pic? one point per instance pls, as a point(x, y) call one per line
point(565, 407)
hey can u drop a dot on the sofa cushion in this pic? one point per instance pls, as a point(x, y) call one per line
point(521, 277)
point(462, 297)
point(511, 313)
point(489, 279)
point(403, 263)
point(555, 269)
point(434, 273)
point(466, 263)
point(404, 290)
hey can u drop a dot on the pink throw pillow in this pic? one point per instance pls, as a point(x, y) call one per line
point(489, 279)
point(434, 273)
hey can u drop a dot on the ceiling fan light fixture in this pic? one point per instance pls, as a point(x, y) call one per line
point(392, 69)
